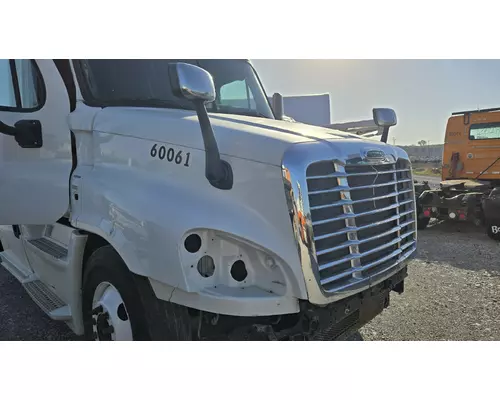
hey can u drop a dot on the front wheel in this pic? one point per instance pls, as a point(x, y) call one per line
point(118, 305)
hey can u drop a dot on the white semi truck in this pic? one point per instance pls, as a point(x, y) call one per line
point(138, 204)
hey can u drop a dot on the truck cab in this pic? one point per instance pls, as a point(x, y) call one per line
point(470, 187)
point(471, 146)
point(140, 201)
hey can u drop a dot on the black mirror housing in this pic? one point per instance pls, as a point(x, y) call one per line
point(27, 133)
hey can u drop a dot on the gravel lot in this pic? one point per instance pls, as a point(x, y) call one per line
point(452, 293)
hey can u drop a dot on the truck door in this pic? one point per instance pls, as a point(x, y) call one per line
point(35, 143)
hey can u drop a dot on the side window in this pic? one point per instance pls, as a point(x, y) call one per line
point(237, 94)
point(29, 84)
point(21, 86)
point(485, 131)
point(7, 96)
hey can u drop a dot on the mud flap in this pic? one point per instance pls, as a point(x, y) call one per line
point(491, 210)
point(493, 230)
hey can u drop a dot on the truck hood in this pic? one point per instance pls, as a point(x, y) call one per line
point(258, 139)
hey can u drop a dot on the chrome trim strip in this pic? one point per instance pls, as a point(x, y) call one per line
point(297, 158)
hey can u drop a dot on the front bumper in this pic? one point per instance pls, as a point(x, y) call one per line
point(335, 321)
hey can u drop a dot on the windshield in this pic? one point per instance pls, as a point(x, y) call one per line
point(146, 83)
point(485, 131)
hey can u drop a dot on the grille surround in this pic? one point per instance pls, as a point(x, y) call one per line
point(344, 245)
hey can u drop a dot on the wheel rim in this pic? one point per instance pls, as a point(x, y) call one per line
point(110, 319)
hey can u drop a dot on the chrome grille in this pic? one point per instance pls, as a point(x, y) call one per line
point(363, 220)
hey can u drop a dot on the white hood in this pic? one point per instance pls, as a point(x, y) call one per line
point(258, 139)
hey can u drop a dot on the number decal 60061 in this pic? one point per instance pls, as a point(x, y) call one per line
point(170, 154)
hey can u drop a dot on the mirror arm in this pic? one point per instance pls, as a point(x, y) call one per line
point(7, 129)
point(384, 132)
point(278, 106)
point(218, 172)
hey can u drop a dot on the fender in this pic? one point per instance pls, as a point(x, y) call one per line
point(144, 212)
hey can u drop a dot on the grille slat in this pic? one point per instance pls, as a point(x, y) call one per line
point(344, 202)
point(358, 242)
point(390, 256)
point(366, 253)
point(349, 188)
point(350, 215)
point(358, 228)
point(363, 219)
point(343, 174)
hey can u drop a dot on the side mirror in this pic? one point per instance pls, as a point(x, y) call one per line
point(384, 118)
point(192, 82)
point(197, 85)
point(27, 133)
point(278, 106)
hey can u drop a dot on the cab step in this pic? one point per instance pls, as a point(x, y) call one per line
point(48, 246)
point(50, 303)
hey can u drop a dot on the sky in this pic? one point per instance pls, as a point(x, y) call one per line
point(423, 93)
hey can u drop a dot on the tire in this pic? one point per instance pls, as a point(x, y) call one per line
point(355, 337)
point(148, 318)
point(422, 223)
point(493, 230)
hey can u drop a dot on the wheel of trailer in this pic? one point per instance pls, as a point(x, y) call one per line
point(422, 221)
point(119, 305)
point(493, 230)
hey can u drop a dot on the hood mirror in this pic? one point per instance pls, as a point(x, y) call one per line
point(384, 118)
point(197, 85)
point(192, 82)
